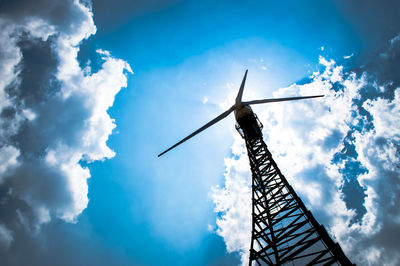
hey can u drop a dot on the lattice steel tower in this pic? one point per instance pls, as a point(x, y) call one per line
point(283, 231)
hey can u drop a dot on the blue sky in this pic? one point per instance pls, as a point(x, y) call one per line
point(99, 89)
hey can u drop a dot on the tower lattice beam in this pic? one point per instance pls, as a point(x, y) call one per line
point(283, 230)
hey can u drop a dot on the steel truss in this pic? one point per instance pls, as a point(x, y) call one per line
point(283, 230)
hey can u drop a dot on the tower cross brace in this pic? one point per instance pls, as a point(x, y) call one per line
point(283, 230)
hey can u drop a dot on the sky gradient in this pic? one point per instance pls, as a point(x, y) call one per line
point(91, 92)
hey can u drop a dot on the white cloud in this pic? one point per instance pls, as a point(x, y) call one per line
point(10, 56)
point(348, 56)
point(6, 237)
point(379, 152)
point(8, 159)
point(234, 202)
point(51, 130)
point(303, 137)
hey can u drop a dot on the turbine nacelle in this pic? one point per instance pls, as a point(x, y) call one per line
point(241, 109)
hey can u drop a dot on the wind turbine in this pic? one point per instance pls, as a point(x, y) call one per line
point(243, 113)
point(283, 230)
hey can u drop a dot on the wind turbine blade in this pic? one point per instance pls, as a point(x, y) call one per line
point(281, 99)
point(212, 122)
point(240, 93)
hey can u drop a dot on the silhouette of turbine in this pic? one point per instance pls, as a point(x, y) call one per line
point(283, 230)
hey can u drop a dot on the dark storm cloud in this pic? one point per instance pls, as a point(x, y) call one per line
point(57, 120)
point(63, 14)
point(19, 9)
point(54, 120)
point(38, 90)
point(52, 117)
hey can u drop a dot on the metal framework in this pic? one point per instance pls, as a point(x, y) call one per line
point(283, 230)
